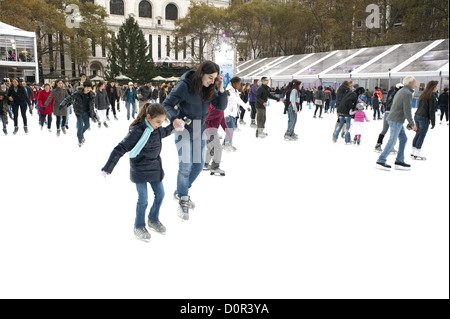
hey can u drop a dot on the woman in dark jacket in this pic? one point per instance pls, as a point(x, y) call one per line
point(19, 99)
point(425, 115)
point(144, 144)
point(59, 93)
point(347, 104)
point(196, 91)
point(318, 101)
point(443, 105)
point(101, 104)
point(252, 101)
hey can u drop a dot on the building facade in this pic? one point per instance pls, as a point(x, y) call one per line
point(157, 22)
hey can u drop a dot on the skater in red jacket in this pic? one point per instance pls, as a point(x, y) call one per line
point(45, 111)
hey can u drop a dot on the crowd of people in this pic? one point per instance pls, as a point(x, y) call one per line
point(199, 105)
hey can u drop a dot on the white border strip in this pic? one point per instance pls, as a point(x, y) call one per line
point(343, 61)
point(317, 62)
point(271, 64)
point(290, 65)
point(416, 56)
point(375, 59)
point(256, 62)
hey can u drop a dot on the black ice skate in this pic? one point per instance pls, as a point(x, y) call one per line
point(58, 132)
point(16, 129)
point(25, 128)
point(383, 166)
point(401, 166)
point(5, 131)
point(183, 208)
point(215, 170)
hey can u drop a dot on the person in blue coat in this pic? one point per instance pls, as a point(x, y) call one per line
point(144, 144)
point(192, 97)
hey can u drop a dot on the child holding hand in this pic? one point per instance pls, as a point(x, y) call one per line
point(144, 144)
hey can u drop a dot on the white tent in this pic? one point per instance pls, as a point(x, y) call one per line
point(14, 35)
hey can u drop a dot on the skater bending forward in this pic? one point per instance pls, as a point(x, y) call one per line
point(196, 91)
point(143, 141)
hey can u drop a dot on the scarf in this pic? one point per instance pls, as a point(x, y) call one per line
point(142, 141)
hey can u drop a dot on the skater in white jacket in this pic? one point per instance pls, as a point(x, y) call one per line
point(232, 110)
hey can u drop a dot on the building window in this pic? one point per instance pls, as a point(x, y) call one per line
point(159, 47)
point(184, 48)
point(145, 9)
point(192, 47)
point(103, 48)
point(171, 12)
point(93, 47)
point(359, 24)
point(150, 46)
point(116, 7)
point(176, 48)
point(168, 46)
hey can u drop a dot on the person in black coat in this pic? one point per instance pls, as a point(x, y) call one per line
point(262, 96)
point(83, 102)
point(443, 105)
point(113, 97)
point(144, 144)
point(347, 104)
point(19, 99)
point(425, 115)
point(193, 95)
point(101, 104)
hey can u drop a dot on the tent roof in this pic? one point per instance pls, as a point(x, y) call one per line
point(7, 29)
point(419, 59)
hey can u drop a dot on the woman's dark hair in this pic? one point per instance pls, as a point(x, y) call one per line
point(99, 84)
point(320, 87)
point(152, 109)
point(428, 93)
point(296, 86)
point(234, 81)
point(207, 67)
point(255, 82)
point(47, 84)
point(360, 90)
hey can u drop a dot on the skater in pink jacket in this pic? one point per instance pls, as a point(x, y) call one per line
point(358, 125)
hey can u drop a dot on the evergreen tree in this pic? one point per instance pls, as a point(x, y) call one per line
point(129, 54)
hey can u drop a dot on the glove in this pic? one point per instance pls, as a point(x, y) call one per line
point(104, 174)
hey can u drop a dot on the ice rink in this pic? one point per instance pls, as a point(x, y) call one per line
point(305, 219)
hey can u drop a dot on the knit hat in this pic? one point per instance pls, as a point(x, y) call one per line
point(130, 83)
point(361, 106)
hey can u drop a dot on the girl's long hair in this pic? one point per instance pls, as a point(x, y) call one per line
point(207, 67)
point(296, 85)
point(152, 109)
point(428, 93)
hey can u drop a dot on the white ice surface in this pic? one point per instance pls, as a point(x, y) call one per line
point(306, 219)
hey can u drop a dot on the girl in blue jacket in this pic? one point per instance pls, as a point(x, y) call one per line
point(144, 144)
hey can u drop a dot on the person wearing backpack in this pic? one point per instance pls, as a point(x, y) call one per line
point(385, 122)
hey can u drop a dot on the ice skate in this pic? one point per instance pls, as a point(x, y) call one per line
point(25, 128)
point(49, 130)
point(142, 234)
point(80, 142)
point(383, 166)
point(58, 132)
point(99, 125)
point(16, 129)
point(215, 170)
point(393, 151)
point(105, 124)
point(157, 226)
point(115, 117)
point(334, 139)
point(378, 148)
point(402, 166)
point(5, 131)
point(42, 127)
point(63, 129)
point(343, 134)
point(358, 141)
point(253, 124)
point(191, 203)
point(417, 155)
point(287, 137)
point(207, 167)
point(242, 122)
point(355, 139)
point(183, 208)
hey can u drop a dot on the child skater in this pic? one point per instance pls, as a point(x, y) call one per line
point(214, 119)
point(144, 144)
point(358, 125)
